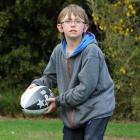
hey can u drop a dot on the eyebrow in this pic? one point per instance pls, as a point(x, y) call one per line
point(78, 18)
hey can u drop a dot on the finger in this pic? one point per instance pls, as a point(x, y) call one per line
point(45, 111)
point(31, 86)
point(49, 110)
point(50, 100)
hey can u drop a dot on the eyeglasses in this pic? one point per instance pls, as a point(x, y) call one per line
point(76, 22)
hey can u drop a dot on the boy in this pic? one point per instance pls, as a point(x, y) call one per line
point(78, 68)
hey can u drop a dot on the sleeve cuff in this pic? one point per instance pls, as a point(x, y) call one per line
point(57, 101)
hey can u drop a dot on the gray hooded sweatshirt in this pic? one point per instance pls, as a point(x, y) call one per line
point(86, 90)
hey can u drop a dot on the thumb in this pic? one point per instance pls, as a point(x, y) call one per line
point(51, 100)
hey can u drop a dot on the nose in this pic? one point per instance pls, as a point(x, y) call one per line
point(72, 23)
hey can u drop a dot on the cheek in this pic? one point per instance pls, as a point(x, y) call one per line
point(85, 28)
point(65, 29)
point(82, 29)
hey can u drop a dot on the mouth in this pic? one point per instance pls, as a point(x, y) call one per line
point(72, 31)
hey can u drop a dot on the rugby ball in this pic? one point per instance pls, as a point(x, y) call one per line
point(33, 100)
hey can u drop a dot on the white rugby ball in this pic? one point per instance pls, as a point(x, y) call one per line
point(33, 100)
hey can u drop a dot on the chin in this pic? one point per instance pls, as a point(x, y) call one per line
point(74, 36)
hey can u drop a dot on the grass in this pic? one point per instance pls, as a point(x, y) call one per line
point(35, 129)
point(124, 129)
point(51, 129)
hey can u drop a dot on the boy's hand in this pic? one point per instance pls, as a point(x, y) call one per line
point(52, 105)
point(31, 86)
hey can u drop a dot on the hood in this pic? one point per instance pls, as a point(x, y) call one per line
point(88, 38)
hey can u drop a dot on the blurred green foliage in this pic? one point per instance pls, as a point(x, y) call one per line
point(119, 25)
point(28, 35)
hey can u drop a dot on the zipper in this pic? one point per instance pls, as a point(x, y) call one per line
point(69, 68)
point(72, 116)
point(72, 113)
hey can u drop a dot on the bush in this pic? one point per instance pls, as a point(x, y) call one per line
point(118, 23)
point(10, 103)
point(28, 35)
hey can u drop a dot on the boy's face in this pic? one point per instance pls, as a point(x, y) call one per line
point(72, 27)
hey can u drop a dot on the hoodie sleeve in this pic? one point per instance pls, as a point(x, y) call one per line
point(88, 79)
point(49, 75)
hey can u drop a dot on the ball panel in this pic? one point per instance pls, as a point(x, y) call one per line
point(33, 101)
point(27, 95)
point(34, 112)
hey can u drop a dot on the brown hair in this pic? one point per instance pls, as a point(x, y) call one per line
point(74, 9)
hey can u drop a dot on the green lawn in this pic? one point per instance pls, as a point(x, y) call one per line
point(51, 129)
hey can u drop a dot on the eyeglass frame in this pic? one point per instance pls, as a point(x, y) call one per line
point(69, 22)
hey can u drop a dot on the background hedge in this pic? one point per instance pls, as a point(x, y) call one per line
point(28, 35)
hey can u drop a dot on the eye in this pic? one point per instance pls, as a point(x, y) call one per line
point(68, 21)
point(78, 21)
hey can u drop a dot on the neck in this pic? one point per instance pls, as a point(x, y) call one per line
point(72, 44)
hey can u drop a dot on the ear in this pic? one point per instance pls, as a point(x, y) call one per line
point(60, 28)
point(85, 28)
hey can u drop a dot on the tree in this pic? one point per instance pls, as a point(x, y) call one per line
point(119, 25)
point(28, 35)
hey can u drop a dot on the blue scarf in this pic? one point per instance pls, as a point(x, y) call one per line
point(88, 38)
